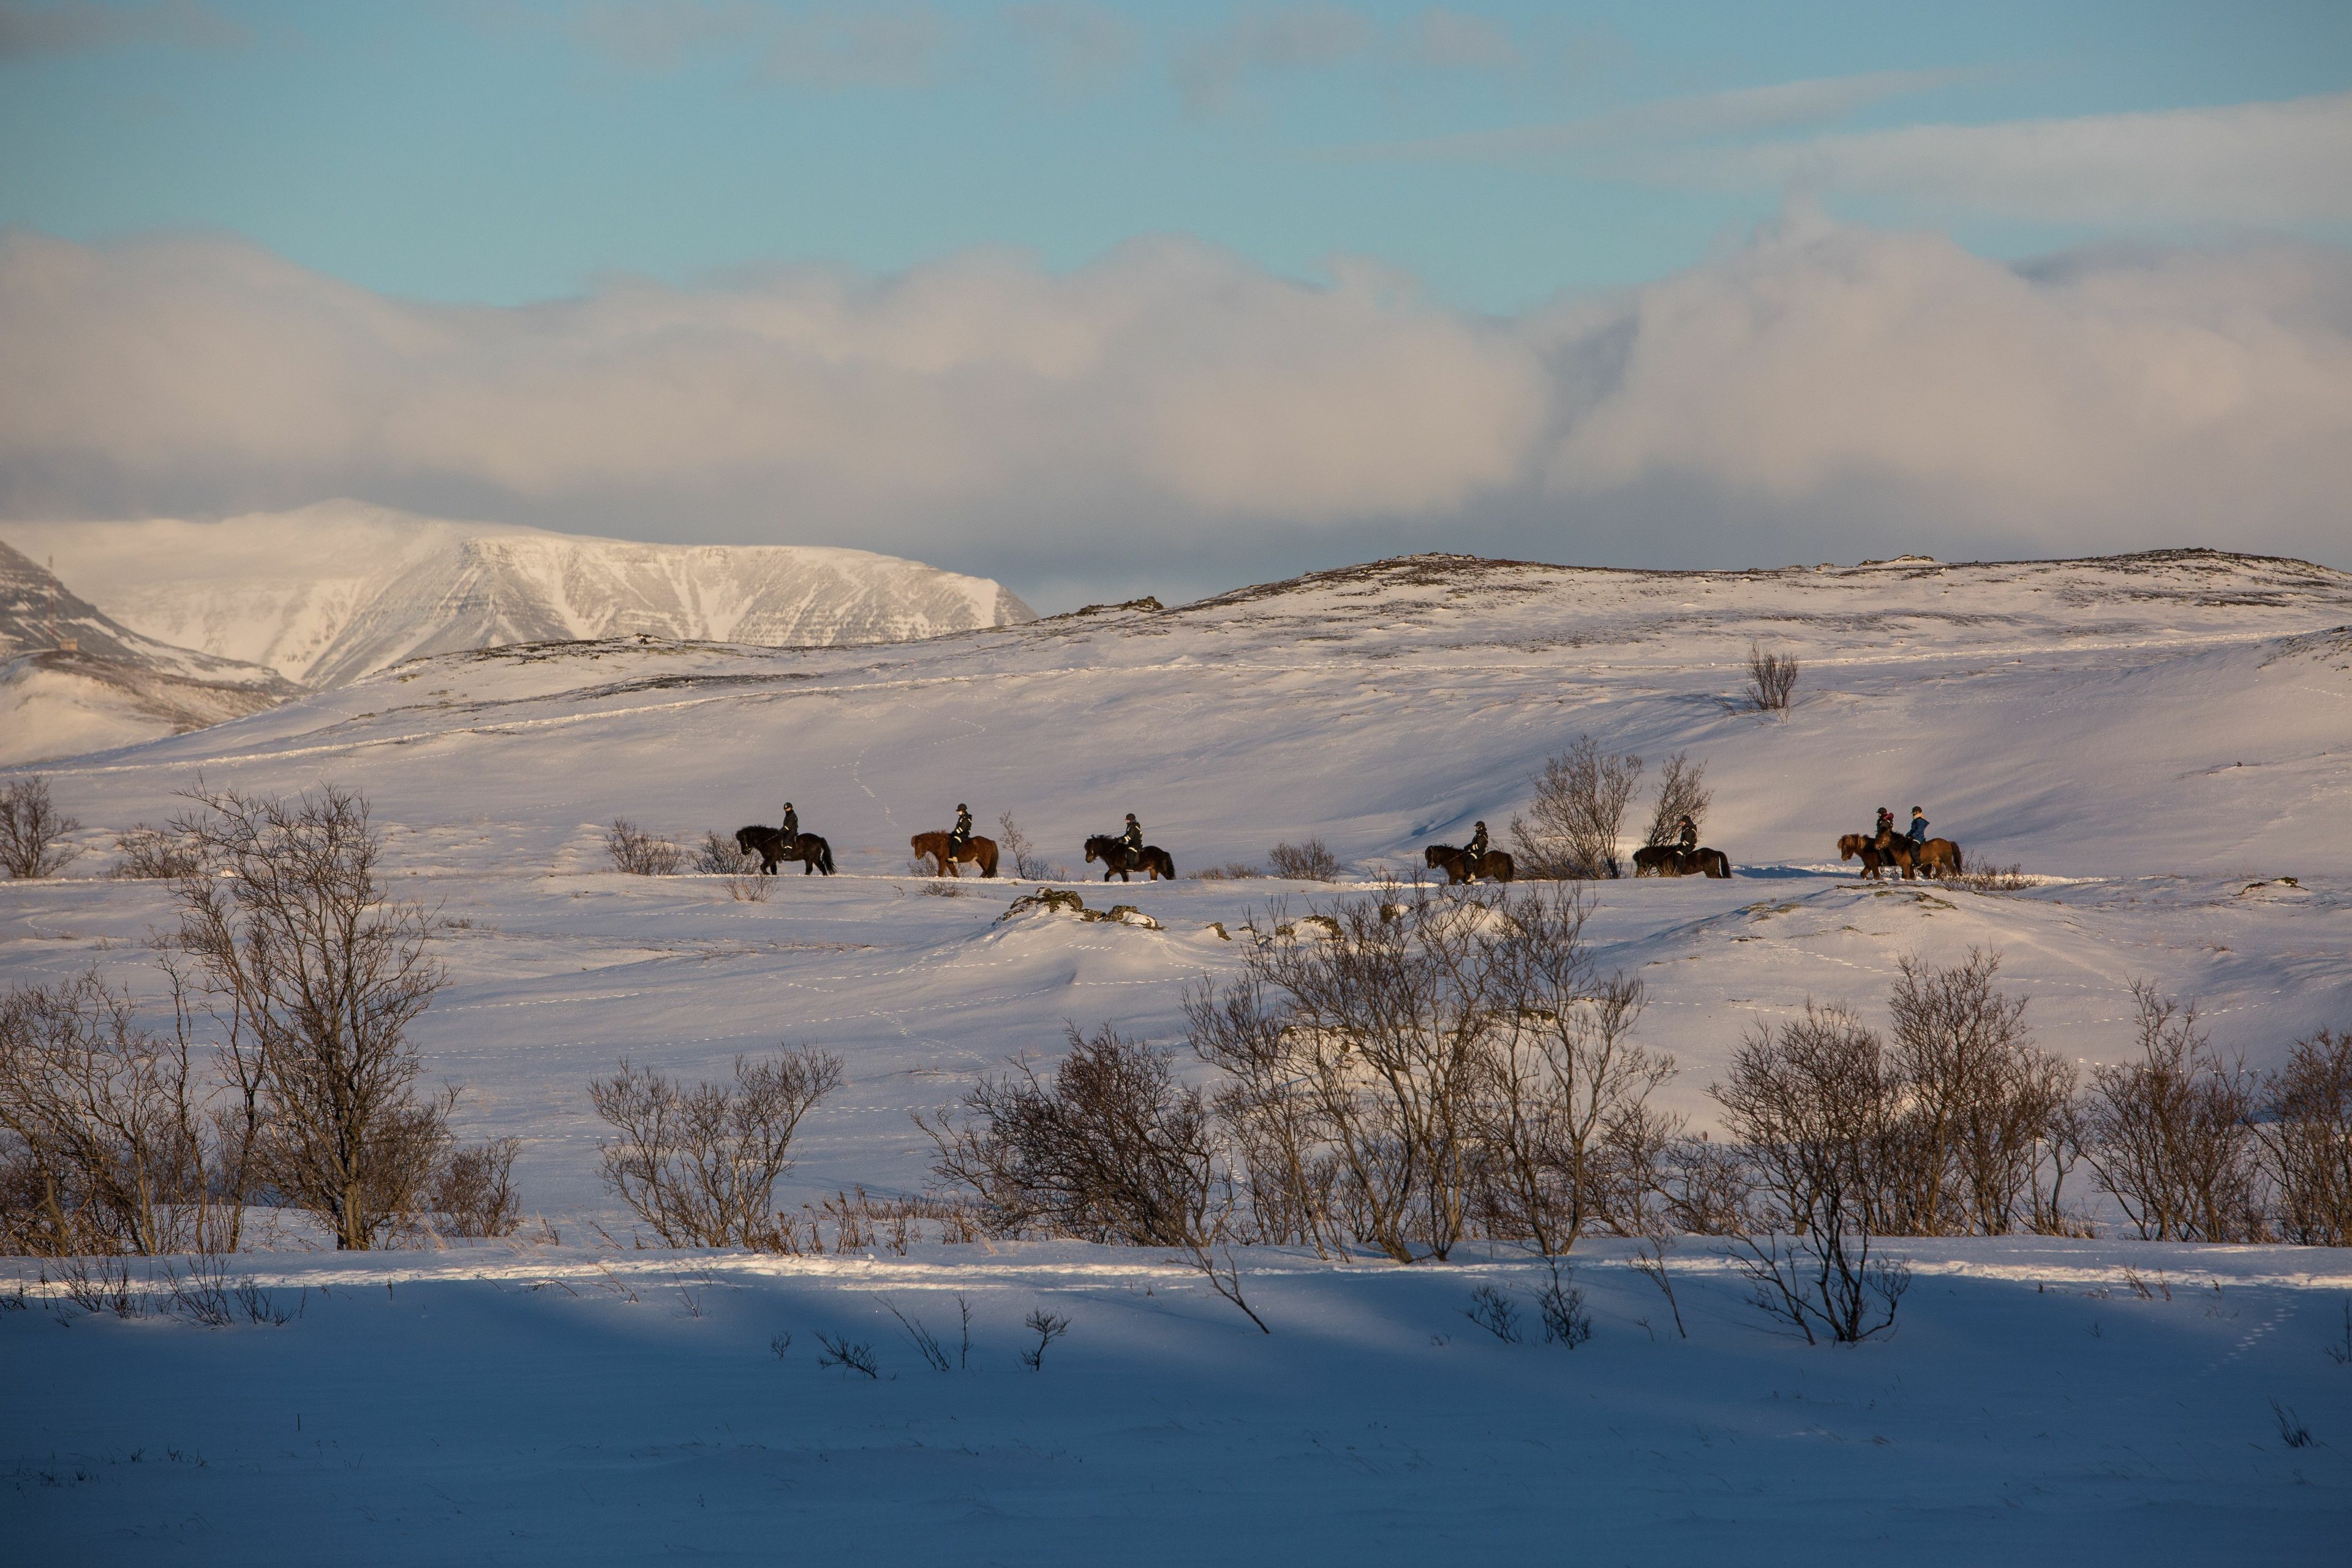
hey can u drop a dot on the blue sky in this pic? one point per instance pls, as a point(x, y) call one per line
point(1100, 298)
point(508, 152)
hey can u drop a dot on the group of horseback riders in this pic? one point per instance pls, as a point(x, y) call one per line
point(1910, 851)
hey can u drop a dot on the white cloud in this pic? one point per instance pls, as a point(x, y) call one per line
point(2286, 163)
point(1824, 389)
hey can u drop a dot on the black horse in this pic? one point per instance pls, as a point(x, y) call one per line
point(770, 845)
point(1673, 860)
point(1119, 859)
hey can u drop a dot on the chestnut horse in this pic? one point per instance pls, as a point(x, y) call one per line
point(1498, 865)
point(1112, 851)
point(1940, 857)
point(1879, 853)
point(934, 847)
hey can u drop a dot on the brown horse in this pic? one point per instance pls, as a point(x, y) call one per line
point(1860, 845)
point(770, 845)
point(1112, 851)
point(1940, 857)
point(1673, 860)
point(934, 846)
point(1883, 851)
point(1497, 865)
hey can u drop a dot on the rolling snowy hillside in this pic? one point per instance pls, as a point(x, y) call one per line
point(2163, 742)
point(336, 590)
point(113, 686)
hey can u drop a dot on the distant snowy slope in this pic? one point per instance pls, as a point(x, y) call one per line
point(113, 686)
point(336, 590)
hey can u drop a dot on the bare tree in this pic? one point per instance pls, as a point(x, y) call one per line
point(149, 854)
point(2304, 1140)
point(1111, 1148)
point(33, 830)
point(639, 853)
point(1027, 864)
point(2169, 1135)
point(1771, 679)
point(701, 1164)
point(1578, 813)
point(314, 973)
point(1309, 862)
point(473, 1194)
point(106, 1145)
point(1682, 792)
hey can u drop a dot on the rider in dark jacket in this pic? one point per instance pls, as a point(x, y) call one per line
point(961, 834)
point(1886, 828)
point(1918, 833)
point(1689, 839)
point(1476, 852)
point(791, 823)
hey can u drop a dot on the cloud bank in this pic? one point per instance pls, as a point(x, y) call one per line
point(1172, 413)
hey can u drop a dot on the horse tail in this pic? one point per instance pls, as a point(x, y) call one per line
point(826, 850)
point(987, 857)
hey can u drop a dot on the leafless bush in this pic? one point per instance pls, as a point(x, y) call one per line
point(639, 853)
point(2340, 1350)
point(474, 1192)
point(701, 1164)
point(1494, 1310)
point(780, 1345)
point(2168, 1134)
point(2304, 1141)
point(1560, 1302)
point(1047, 1327)
point(1309, 862)
point(1708, 1188)
point(1986, 878)
point(1577, 814)
point(719, 856)
point(1812, 1102)
point(107, 1139)
point(153, 854)
point(1111, 1148)
point(1649, 1260)
point(2291, 1427)
point(99, 1285)
point(1231, 871)
point(927, 1345)
point(1771, 679)
point(1027, 864)
point(1682, 792)
point(1436, 1064)
point(32, 830)
point(850, 1355)
point(205, 1295)
point(313, 976)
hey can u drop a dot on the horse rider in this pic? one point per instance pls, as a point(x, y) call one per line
point(1688, 841)
point(791, 825)
point(961, 834)
point(1132, 841)
point(1886, 828)
point(1475, 855)
point(1918, 833)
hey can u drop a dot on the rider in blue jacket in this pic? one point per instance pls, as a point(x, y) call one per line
point(1918, 833)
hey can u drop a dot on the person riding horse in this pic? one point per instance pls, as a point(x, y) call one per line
point(961, 835)
point(1918, 833)
point(1474, 858)
point(1133, 842)
point(1885, 828)
point(1688, 841)
point(792, 823)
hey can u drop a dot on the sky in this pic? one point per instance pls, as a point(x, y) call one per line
point(1100, 299)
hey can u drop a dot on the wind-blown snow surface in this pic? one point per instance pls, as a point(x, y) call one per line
point(2163, 739)
point(339, 590)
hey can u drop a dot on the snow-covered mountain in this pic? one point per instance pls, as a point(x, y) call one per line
point(73, 680)
point(333, 592)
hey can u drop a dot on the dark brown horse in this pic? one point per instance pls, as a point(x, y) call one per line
point(934, 846)
point(1673, 860)
point(1876, 854)
point(770, 845)
point(1454, 862)
point(1119, 861)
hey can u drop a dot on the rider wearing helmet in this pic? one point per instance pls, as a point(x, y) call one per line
point(961, 834)
point(1886, 828)
point(1132, 840)
point(792, 823)
point(1475, 855)
point(1918, 833)
point(1688, 841)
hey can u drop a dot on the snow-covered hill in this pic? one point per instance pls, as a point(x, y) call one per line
point(111, 687)
point(336, 590)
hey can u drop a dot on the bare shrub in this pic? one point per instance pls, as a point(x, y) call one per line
point(639, 853)
point(1560, 1302)
point(1231, 871)
point(2304, 1141)
point(1986, 878)
point(1578, 813)
point(1771, 679)
point(719, 856)
point(1682, 792)
point(1309, 862)
point(150, 854)
point(473, 1194)
point(2339, 1351)
point(1111, 1148)
point(1027, 863)
point(205, 1295)
point(1812, 1101)
point(314, 975)
point(107, 1142)
point(1708, 1188)
point(2168, 1134)
point(99, 1285)
point(1649, 1260)
point(1494, 1310)
point(850, 1355)
point(1047, 1327)
point(2291, 1427)
point(33, 830)
point(701, 1164)
point(926, 1343)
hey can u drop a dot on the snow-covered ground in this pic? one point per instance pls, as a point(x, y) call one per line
point(2164, 741)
